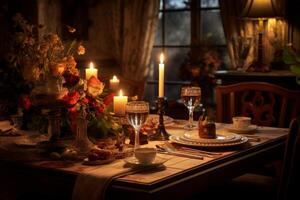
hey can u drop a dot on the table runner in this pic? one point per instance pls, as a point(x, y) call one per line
point(92, 184)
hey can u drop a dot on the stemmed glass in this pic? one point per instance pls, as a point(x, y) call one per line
point(136, 114)
point(191, 98)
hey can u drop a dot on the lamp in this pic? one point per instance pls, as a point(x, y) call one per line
point(260, 10)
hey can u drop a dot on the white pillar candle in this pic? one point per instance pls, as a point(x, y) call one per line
point(161, 77)
point(120, 104)
point(114, 83)
point(91, 71)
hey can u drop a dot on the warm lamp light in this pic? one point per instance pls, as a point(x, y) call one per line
point(260, 10)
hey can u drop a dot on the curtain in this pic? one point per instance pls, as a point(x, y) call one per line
point(238, 33)
point(241, 34)
point(139, 25)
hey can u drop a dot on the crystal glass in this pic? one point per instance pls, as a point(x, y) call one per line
point(191, 98)
point(136, 114)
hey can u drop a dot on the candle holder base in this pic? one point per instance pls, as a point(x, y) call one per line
point(160, 132)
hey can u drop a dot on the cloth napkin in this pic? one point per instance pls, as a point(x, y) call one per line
point(93, 184)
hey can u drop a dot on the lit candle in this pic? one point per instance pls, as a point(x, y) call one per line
point(161, 78)
point(120, 103)
point(114, 83)
point(91, 71)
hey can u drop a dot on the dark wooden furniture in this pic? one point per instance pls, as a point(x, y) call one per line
point(282, 78)
point(267, 104)
point(290, 178)
point(178, 183)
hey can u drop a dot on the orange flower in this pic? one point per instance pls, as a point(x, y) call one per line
point(80, 50)
point(94, 87)
point(57, 69)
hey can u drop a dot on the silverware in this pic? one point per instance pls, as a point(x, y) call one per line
point(200, 151)
point(167, 150)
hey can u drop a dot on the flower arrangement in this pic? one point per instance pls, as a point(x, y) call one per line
point(199, 67)
point(47, 60)
point(35, 55)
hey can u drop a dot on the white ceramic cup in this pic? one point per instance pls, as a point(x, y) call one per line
point(240, 122)
point(145, 155)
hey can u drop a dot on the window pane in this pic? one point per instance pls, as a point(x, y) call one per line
point(209, 3)
point(211, 27)
point(158, 34)
point(177, 28)
point(175, 4)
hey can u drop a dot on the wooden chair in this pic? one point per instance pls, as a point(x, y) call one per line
point(267, 104)
point(290, 179)
point(255, 186)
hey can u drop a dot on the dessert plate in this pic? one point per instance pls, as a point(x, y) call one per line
point(221, 137)
point(158, 161)
point(249, 129)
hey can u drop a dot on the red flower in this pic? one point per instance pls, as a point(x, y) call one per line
point(99, 108)
point(109, 99)
point(72, 98)
point(24, 101)
point(85, 100)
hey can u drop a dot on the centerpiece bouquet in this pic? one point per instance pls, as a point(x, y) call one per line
point(50, 77)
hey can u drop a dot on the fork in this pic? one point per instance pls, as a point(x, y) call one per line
point(193, 151)
point(168, 150)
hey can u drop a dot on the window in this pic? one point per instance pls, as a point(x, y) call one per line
point(182, 25)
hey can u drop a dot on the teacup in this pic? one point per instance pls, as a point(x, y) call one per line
point(145, 155)
point(240, 122)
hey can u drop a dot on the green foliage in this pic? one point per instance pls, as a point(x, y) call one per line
point(291, 57)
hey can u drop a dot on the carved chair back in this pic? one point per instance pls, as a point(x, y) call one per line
point(267, 104)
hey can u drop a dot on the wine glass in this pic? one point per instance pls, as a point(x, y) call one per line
point(136, 113)
point(191, 98)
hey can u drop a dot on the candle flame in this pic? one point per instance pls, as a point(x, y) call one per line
point(91, 65)
point(121, 93)
point(115, 78)
point(161, 58)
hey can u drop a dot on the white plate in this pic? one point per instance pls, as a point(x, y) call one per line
point(222, 137)
point(177, 139)
point(135, 163)
point(249, 129)
point(155, 119)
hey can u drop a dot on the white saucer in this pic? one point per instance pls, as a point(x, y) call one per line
point(249, 129)
point(135, 163)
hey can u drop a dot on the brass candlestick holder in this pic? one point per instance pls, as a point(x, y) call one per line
point(161, 133)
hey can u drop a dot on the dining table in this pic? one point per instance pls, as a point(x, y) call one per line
point(178, 177)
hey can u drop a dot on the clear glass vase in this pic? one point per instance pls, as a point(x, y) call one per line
point(82, 144)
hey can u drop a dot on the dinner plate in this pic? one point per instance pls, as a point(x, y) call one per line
point(221, 137)
point(249, 129)
point(158, 161)
point(155, 119)
point(178, 140)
